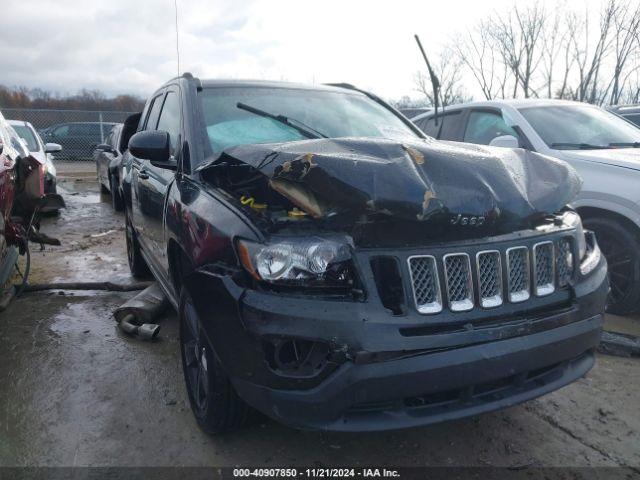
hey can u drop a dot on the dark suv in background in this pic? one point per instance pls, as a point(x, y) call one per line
point(78, 139)
point(334, 268)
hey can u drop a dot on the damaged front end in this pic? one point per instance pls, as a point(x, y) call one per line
point(424, 185)
point(396, 283)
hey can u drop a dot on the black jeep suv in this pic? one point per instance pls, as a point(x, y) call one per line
point(334, 268)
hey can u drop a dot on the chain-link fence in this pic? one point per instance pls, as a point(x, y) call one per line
point(77, 131)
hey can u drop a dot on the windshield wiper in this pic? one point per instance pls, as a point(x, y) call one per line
point(579, 146)
point(625, 144)
point(298, 125)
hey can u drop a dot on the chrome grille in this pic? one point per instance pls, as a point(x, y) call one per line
point(564, 262)
point(489, 278)
point(426, 287)
point(512, 275)
point(543, 269)
point(518, 274)
point(457, 271)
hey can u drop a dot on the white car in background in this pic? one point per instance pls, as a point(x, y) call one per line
point(602, 147)
point(39, 150)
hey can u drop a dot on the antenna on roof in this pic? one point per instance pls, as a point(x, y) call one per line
point(175, 5)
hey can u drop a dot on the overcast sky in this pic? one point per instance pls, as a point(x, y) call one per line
point(128, 46)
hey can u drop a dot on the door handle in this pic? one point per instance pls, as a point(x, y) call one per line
point(144, 175)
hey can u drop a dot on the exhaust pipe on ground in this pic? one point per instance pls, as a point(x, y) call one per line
point(136, 315)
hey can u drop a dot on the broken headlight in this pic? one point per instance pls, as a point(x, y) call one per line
point(588, 250)
point(573, 220)
point(308, 261)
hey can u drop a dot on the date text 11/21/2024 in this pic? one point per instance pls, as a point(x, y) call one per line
point(316, 472)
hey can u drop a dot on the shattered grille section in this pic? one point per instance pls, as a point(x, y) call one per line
point(424, 280)
point(489, 278)
point(543, 268)
point(518, 274)
point(457, 270)
point(564, 262)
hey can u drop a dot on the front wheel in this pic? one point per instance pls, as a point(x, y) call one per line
point(214, 402)
point(621, 248)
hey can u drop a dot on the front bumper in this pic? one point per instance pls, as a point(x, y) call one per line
point(435, 387)
point(388, 372)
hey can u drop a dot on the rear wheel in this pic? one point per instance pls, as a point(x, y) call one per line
point(214, 402)
point(621, 248)
point(137, 263)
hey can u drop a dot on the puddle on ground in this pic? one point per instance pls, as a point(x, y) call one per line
point(74, 319)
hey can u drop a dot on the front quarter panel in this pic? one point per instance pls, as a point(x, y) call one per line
point(203, 225)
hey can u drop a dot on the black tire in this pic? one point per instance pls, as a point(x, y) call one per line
point(621, 248)
point(214, 402)
point(137, 264)
point(116, 199)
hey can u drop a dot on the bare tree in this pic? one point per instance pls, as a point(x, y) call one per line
point(590, 55)
point(626, 23)
point(477, 52)
point(589, 58)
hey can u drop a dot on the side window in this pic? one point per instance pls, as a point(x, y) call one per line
point(428, 126)
point(83, 129)
point(109, 139)
point(485, 126)
point(131, 126)
point(62, 131)
point(154, 113)
point(446, 129)
point(170, 118)
point(450, 128)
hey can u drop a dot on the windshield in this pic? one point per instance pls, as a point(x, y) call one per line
point(317, 112)
point(572, 127)
point(27, 135)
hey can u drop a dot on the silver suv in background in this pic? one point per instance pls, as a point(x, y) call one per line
point(602, 147)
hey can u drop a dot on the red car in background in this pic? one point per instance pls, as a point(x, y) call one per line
point(22, 198)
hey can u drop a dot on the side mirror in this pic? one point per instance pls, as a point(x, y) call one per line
point(505, 141)
point(52, 148)
point(103, 147)
point(153, 145)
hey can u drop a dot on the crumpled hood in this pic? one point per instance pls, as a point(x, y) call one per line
point(420, 181)
point(620, 157)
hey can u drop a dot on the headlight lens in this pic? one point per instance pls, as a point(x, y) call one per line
point(572, 219)
point(309, 261)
